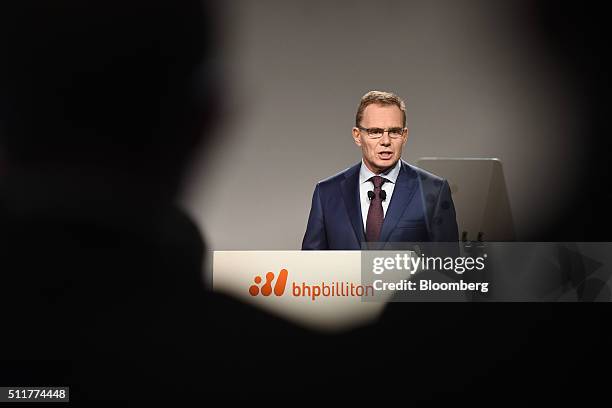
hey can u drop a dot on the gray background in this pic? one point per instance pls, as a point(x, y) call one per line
point(477, 77)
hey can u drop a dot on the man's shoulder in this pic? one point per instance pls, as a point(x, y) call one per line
point(411, 171)
point(423, 175)
point(340, 176)
point(429, 184)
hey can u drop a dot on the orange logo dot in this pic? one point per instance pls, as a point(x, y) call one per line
point(254, 289)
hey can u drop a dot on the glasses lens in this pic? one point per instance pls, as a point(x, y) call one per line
point(395, 132)
point(375, 132)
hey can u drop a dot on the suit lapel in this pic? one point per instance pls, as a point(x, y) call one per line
point(405, 187)
point(350, 194)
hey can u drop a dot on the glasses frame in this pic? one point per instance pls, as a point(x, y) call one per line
point(367, 130)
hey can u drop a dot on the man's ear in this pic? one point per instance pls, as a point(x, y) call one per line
point(357, 136)
point(406, 132)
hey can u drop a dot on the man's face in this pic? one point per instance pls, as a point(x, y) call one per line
point(381, 153)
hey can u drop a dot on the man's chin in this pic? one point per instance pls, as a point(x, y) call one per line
point(384, 165)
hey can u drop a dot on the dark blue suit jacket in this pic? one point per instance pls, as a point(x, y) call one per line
point(421, 210)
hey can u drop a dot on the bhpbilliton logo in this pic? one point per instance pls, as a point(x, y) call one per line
point(323, 289)
point(266, 289)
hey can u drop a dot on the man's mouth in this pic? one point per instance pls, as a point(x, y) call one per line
point(385, 155)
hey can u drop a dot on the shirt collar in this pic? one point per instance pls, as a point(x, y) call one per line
point(391, 174)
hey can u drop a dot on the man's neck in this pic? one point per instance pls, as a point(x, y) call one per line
point(377, 171)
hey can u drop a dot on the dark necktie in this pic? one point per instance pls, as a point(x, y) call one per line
point(375, 212)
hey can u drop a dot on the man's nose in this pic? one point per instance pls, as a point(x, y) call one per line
point(385, 140)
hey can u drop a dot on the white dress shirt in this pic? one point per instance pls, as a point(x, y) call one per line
point(366, 185)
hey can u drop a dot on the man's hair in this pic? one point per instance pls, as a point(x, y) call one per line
point(380, 98)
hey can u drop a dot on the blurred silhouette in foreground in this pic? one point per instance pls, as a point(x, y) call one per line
point(101, 274)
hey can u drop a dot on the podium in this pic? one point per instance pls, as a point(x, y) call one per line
point(317, 289)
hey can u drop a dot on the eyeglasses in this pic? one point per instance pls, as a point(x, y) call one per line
point(377, 133)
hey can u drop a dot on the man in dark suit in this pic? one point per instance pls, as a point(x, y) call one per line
point(382, 199)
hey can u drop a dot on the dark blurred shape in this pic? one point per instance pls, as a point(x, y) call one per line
point(102, 104)
point(106, 86)
point(577, 37)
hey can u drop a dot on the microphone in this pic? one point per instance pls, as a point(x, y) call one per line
point(383, 195)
